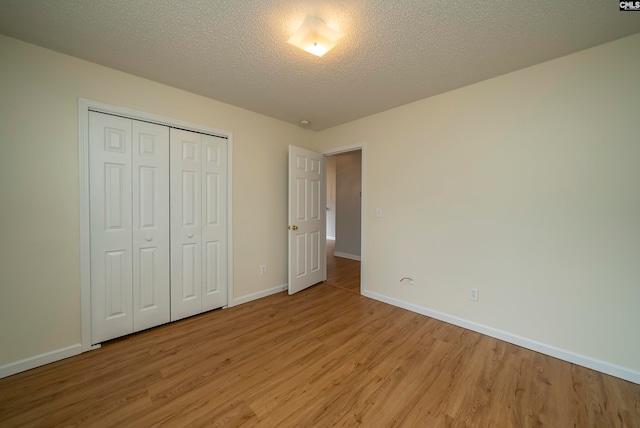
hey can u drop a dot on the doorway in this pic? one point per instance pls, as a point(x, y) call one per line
point(344, 178)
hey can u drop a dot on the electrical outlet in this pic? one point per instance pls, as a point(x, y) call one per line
point(263, 270)
point(473, 294)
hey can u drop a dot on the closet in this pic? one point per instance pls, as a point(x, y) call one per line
point(158, 225)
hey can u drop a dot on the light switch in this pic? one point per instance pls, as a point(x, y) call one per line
point(378, 212)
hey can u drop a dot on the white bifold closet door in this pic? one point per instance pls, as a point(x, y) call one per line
point(129, 210)
point(198, 223)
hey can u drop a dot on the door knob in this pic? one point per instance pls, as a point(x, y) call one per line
point(190, 235)
point(149, 238)
point(294, 227)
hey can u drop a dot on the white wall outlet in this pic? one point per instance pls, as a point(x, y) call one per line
point(473, 294)
point(263, 270)
point(378, 212)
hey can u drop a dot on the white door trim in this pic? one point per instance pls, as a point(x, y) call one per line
point(84, 106)
point(363, 218)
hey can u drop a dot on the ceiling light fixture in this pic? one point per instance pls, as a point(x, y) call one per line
point(315, 37)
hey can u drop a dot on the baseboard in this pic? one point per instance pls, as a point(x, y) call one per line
point(331, 238)
point(259, 295)
point(346, 256)
point(571, 357)
point(39, 360)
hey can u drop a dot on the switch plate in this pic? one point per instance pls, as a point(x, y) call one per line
point(263, 270)
point(378, 212)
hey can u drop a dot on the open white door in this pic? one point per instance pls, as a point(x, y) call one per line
point(307, 200)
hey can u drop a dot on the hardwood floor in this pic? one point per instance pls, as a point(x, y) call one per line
point(342, 273)
point(323, 357)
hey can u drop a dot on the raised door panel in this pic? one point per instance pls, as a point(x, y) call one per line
point(186, 223)
point(111, 226)
point(214, 227)
point(300, 243)
point(151, 273)
point(317, 256)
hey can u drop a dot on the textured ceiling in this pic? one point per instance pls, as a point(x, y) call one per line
point(394, 51)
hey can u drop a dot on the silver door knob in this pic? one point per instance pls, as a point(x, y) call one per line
point(149, 238)
point(190, 235)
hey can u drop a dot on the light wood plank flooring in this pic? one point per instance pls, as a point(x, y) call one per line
point(342, 273)
point(324, 357)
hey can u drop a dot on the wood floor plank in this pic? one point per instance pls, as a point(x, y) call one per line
point(324, 379)
point(342, 273)
point(323, 357)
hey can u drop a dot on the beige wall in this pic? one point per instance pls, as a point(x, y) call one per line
point(39, 218)
point(526, 186)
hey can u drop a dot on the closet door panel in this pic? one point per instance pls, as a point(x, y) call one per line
point(186, 223)
point(214, 228)
point(151, 277)
point(111, 226)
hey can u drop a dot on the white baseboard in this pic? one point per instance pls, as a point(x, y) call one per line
point(258, 295)
point(346, 256)
point(581, 360)
point(331, 238)
point(39, 360)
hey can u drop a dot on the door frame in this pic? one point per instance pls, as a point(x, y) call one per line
point(363, 201)
point(84, 106)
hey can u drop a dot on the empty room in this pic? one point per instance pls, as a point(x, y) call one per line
point(171, 172)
